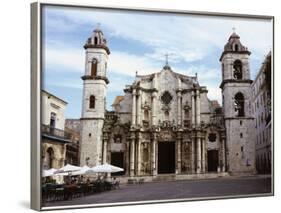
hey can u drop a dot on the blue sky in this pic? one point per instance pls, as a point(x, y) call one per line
point(138, 41)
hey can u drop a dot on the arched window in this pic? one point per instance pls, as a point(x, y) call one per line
point(146, 115)
point(186, 114)
point(94, 67)
point(236, 48)
point(237, 66)
point(92, 102)
point(96, 40)
point(166, 115)
point(239, 104)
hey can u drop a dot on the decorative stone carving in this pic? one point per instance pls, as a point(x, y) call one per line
point(146, 106)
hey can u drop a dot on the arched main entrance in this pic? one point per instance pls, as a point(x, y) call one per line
point(166, 157)
point(213, 160)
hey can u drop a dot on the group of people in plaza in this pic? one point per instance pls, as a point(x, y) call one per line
point(76, 186)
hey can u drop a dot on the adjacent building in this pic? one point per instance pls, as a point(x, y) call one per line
point(72, 126)
point(261, 107)
point(54, 138)
point(60, 137)
point(165, 123)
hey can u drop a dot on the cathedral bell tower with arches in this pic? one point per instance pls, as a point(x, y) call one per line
point(236, 92)
point(94, 99)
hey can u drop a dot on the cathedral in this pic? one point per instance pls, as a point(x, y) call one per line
point(164, 123)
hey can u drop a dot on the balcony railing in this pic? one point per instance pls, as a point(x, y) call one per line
point(51, 131)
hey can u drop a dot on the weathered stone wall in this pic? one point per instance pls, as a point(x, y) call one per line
point(240, 150)
point(59, 151)
point(74, 124)
point(91, 142)
point(98, 89)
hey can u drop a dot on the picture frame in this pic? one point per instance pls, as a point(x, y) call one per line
point(162, 169)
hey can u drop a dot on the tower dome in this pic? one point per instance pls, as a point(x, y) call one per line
point(97, 40)
point(234, 45)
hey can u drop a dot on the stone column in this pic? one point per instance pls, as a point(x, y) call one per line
point(197, 108)
point(193, 154)
point(153, 108)
point(198, 155)
point(139, 108)
point(134, 108)
point(104, 154)
point(127, 159)
point(223, 153)
point(63, 161)
point(154, 95)
point(192, 109)
point(179, 108)
point(132, 156)
point(203, 155)
point(153, 156)
point(178, 156)
point(139, 157)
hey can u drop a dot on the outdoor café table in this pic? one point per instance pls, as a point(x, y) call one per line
point(59, 193)
point(70, 191)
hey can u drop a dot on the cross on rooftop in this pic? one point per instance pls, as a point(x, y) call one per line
point(98, 26)
point(167, 58)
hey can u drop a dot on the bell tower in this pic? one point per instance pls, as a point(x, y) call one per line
point(236, 96)
point(94, 99)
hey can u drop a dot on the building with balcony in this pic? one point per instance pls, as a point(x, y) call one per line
point(261, 108)
point(54, 138)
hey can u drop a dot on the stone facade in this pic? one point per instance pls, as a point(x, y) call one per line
point(165, 123)
point(261, 107)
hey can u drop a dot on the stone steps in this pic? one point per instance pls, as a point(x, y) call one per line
point(170, 177)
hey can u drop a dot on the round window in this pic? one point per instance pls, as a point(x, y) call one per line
point(166, 97)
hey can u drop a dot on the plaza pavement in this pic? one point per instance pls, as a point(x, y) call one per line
point(230, 186)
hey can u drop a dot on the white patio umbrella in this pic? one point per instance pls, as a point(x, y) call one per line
point(49, 172)
point(67, 169)
point(106, 168)
point(62, 174)
point(82, 171)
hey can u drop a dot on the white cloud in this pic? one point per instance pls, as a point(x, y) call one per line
point(186, 38)
point(189, 38)
point(214, 93)
point(65, 58)
point(68, 84)
point(128, 64)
